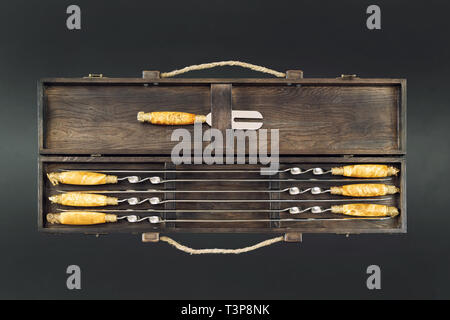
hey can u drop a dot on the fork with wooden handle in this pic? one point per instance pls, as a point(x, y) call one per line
point(183, 118)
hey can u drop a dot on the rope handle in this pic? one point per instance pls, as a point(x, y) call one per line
point(221, 64)
point(191, 251)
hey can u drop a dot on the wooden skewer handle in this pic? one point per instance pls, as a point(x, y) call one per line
point(80, 218)
point(365, 210)
point(365, 171)
point(78, 199)
point(364, 190)
point(170, 118)
point(85, 178)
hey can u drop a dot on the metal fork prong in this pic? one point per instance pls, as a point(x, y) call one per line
point(243, 114)
point(246, 125)
point(246, 114)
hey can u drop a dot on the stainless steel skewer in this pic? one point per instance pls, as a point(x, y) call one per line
point(125, 211)
point(156, 200)
point(291, 210)
point(184, 191)
point(291, 190)
point(157, 219)
point(158, 180)
point(293, 171)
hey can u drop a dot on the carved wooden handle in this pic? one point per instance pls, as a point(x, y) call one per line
point(365, 171)
point(365, 210)
point(80, 218)
point(170, 118)
point(364, 190)
point(78, 199)
point(80, 178)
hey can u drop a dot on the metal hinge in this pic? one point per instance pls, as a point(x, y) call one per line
point(293, 237)
point(94, 75)
point(150, 237)
point(348, 76)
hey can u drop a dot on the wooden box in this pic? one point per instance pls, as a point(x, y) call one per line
point(90, 123)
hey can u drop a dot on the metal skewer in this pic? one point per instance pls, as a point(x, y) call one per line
point(184, 191)
point(291, 210)
point(291, 190)
point(158, 180)
point(125, 211)
point(155, 200)
point(87, 217)
point(293, 171)
point(157, 219)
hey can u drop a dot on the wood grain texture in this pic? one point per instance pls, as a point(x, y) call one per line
point(97, 118)
point(221, 106)
point(221, 109)
point(200, 81)
point(396, 225)
point(325, 117)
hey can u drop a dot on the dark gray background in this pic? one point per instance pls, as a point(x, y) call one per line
point(325, 39)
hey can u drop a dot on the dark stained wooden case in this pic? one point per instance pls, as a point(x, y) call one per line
point(90, 123)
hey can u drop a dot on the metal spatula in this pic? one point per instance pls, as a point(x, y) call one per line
point(183, 118)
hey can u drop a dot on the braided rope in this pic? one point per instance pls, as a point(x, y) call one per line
point(221, 64)
point(183, 248)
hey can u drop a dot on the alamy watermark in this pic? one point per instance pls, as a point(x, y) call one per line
point(373, 22)
point(74, 279)
point(227, 150)
point(73, 21)
point(374, 280)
